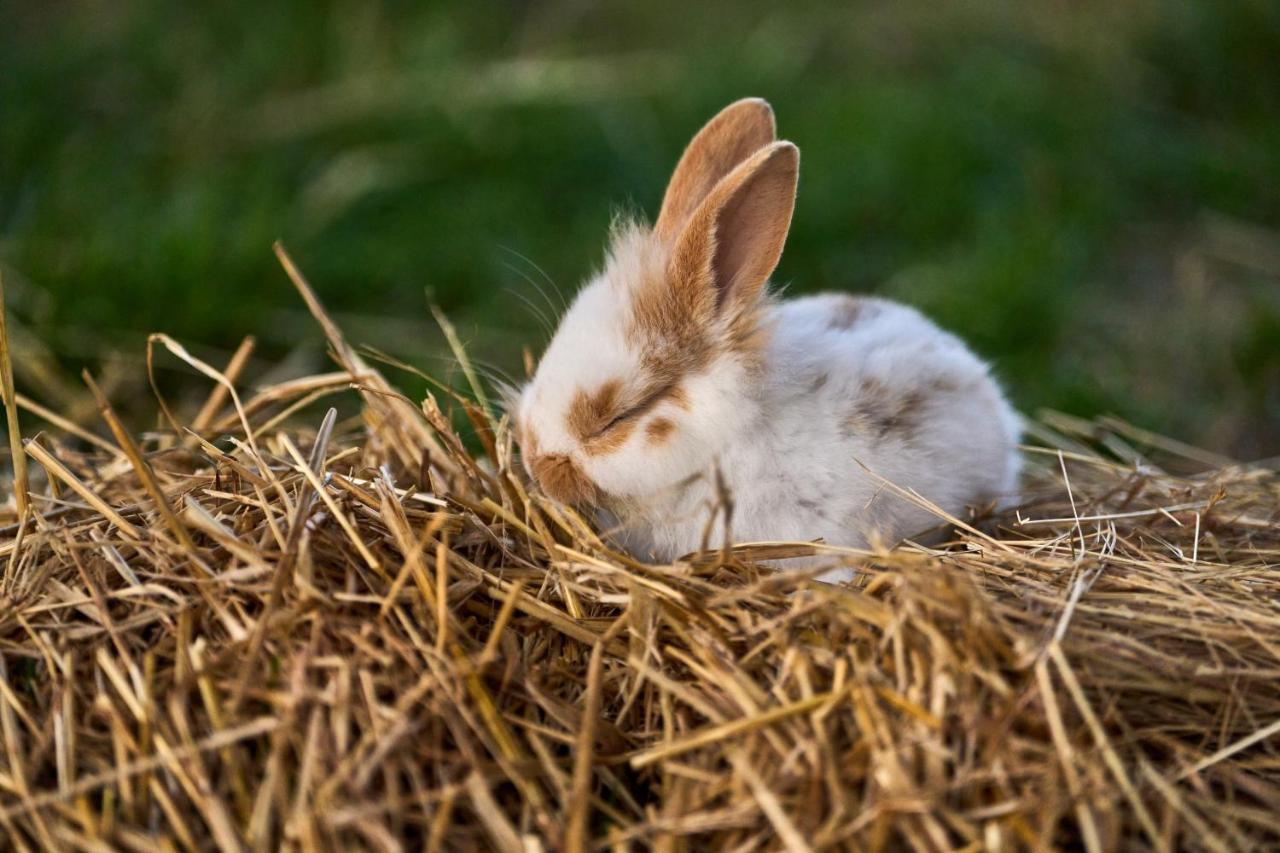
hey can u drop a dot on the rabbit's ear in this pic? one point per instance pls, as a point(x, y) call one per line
point(734, 239)
point(737, 132)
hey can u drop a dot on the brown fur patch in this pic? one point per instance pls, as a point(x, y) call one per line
point(667, 364)
point(590, 411)
point(613, 439)
point(671, 325)
point(678, 397)
point(561, 479)
point(670, 321)
point(659, 430)
point(668, 307)
point(676, 336)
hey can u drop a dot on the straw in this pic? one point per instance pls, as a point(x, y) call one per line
point(363, 634)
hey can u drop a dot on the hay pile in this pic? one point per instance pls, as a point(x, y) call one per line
point(238, 632)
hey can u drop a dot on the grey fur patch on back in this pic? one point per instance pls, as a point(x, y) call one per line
point(885, 412)
point(850, 310)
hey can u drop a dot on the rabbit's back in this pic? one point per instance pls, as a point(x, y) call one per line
point(861, 390)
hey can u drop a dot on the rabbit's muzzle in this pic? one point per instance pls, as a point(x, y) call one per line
point(561, 478)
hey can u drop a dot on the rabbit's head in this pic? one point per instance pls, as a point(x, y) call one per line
point(653, 368)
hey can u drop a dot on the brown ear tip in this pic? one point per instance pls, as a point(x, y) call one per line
point(762, 112)
point(755, 103)
point(765, 109)
point(783, 150)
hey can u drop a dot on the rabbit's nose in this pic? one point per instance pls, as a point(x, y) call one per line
point(561, 478)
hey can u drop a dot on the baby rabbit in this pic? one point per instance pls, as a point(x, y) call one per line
point(676, 360)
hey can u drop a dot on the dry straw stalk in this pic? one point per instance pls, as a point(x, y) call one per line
point(241, 633)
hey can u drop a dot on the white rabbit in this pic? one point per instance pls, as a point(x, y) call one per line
point(675, 361)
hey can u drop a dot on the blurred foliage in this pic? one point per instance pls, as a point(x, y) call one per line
point(1086, 191)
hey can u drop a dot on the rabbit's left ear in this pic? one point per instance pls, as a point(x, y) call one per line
point(733, 241)
point(737, 131)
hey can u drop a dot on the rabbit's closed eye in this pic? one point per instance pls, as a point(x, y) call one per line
point(651, 399)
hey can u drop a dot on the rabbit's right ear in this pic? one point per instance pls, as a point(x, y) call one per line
point(725, 255)
point(738, 131)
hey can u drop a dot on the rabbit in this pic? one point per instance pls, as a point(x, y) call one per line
point(676, 362)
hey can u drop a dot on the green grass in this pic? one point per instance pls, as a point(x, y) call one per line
point(1088, 193)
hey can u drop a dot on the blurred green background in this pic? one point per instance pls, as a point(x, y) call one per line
point(1089, 192)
